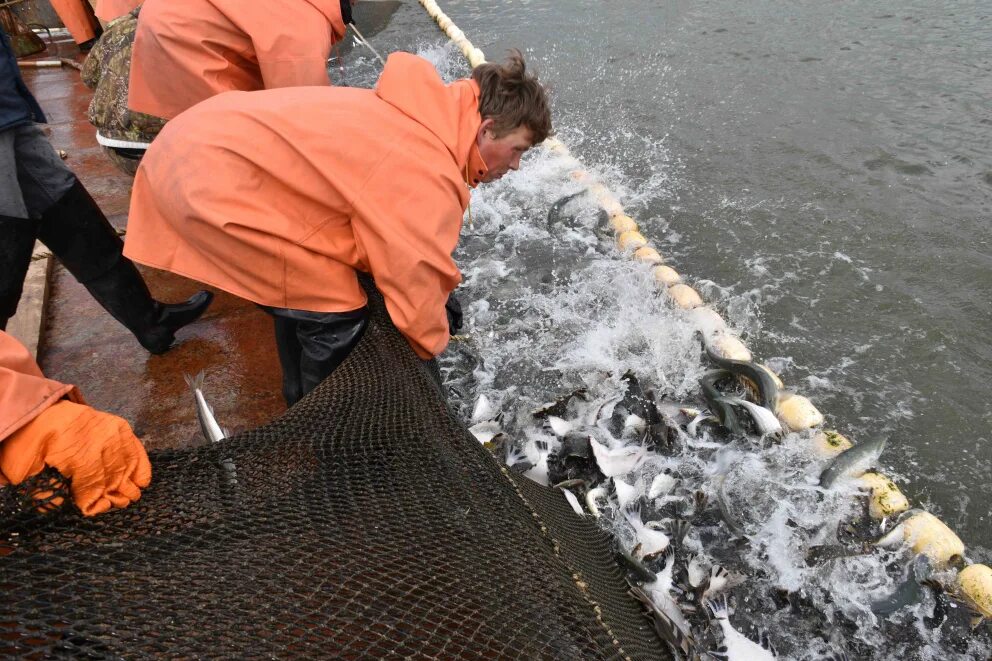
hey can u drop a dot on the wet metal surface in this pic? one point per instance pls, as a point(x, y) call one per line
point(83, 345)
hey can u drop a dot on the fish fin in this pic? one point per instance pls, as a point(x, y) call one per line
point(718, 607)
point(720, 653)
point(678, 530)
point(669, 555)
point(765, 641)
point(196, 381)
point(699, 500)
point(892, 538)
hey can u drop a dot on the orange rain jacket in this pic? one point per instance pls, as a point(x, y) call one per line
point(24, 390)
point(280, 196)
point(108, 10)
point(186, 51)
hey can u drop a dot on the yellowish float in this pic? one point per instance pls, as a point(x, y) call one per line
point(797, 413)
point(928, 535)
point(666, 276)
point(728, 346)
point(885, 498)
point(685, 296)
point(707, 321)
point(830, 443)
point(631, 239)
point(623, 223)
point(974, 587)
point(648, 255)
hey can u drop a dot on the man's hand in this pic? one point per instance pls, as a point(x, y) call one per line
point(97, 451)
point(453, 310)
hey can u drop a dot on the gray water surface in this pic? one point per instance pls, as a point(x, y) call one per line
point(827, 167)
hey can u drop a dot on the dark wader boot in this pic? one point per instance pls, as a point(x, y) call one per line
point(312, 344)
point(17, 236)
point(79, 235)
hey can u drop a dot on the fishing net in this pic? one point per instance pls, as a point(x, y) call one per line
point(365, 523)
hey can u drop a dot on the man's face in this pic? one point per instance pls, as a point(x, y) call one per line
point(502, 154)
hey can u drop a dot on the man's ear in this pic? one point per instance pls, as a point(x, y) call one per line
point(486, 129)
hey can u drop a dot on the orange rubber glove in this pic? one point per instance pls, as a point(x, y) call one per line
point(98, 451)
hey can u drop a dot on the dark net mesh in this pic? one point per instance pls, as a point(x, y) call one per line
point(365, 523)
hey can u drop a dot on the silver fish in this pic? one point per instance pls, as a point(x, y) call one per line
point(764, 383)
point(723, 504)
point(737, 646)
point(208, 423)
point(861, 457)
point(764, 419)
point(910, 591)
point(593, 498)
point(719, 405)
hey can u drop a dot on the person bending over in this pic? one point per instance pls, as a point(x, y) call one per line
point(186, 51)
point(283, 196)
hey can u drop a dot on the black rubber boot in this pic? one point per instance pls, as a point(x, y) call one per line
point(78, 233)
point(326, 341)
point(288, 347)
point(17, 236)
point(312, 344)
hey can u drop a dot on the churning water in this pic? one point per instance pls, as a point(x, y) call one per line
point(822, 173)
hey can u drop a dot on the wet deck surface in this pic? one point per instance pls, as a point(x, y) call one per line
point(83, 345)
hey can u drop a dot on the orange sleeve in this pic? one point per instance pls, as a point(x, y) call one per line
point(407, 222)
point(296, 59)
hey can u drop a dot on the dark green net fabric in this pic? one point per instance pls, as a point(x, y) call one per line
point(365, 523)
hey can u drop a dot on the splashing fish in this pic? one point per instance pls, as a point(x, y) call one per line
point(737, 646)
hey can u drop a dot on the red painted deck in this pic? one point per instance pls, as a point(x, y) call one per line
point(82, 344)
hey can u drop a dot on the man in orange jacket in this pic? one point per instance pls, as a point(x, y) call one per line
point(44, 423)
point(186, 51)
point(251, 193)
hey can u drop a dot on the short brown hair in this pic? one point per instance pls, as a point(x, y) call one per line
point(513, 98)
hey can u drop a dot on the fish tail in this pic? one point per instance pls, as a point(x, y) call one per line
point(194, 382)
point(719, 607)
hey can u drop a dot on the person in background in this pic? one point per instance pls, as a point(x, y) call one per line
point(78, 18)
point(283, 196)
point(40, 198)
point(123, 134)
point(186, 51)
point(44, 423)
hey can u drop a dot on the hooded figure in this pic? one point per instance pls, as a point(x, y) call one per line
point(244, 193)
point(44, 423)
point(186, 51)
